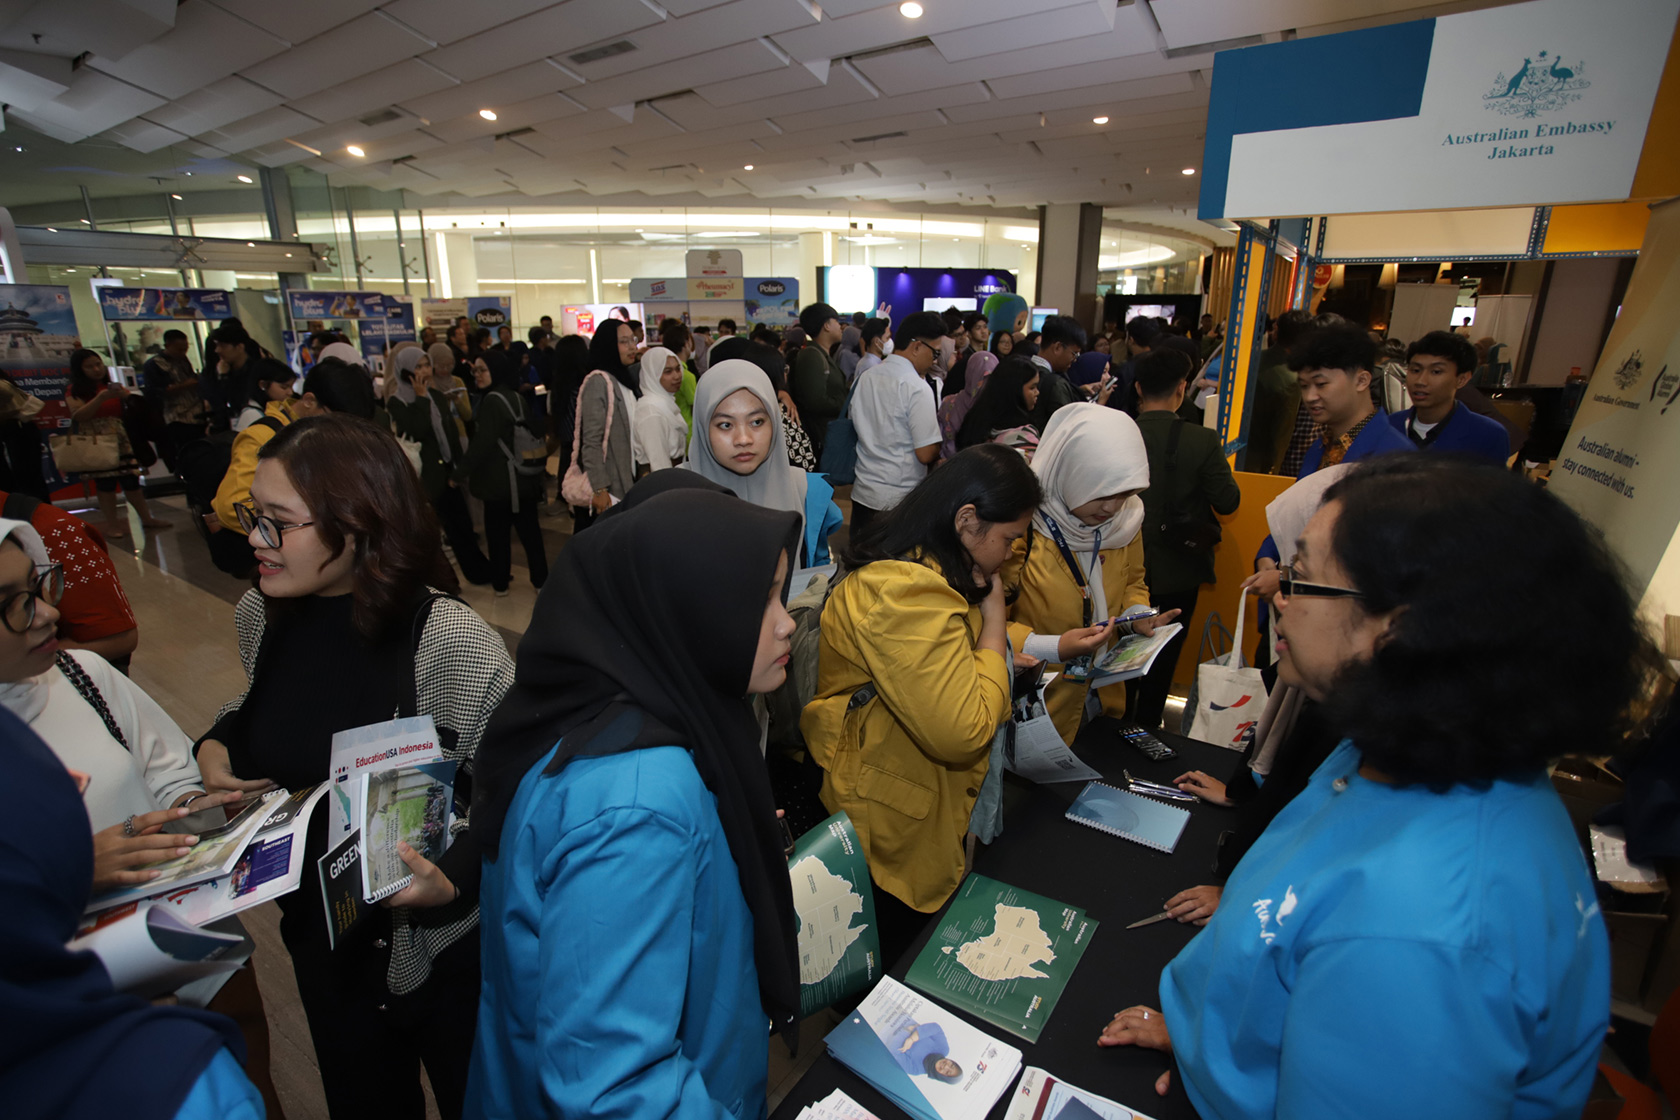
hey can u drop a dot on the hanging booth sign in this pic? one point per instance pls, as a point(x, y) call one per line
point(396, 325)
point(1524, 104)
point(147, 304)
point(773, 301)
point(483, 311)
point(334, 305)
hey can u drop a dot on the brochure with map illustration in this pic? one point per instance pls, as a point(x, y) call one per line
point(923, 1058)
point(1041, 1096)
point(839, 944)
point(1003, 954)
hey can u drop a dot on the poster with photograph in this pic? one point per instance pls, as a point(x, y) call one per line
point(37, 336)
point(145, 304)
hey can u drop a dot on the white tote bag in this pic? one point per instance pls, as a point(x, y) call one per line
point(1229, 695)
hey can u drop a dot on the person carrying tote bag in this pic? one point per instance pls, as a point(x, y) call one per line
point(1229, 695)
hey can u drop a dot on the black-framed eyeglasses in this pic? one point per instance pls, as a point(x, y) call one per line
point(17, 610)
point(1289, 586)
point(931, 343)
point(267, 527)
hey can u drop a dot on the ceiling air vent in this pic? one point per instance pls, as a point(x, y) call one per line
point(381, 117)
point(881, 136)
point(596, 54)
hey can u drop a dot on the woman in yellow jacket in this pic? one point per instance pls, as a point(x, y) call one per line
point(913, 678)
point(1086, 554)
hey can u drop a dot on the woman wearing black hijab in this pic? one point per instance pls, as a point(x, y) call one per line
point(638, 921)
point(71, 1048)
point(494, 474)
point(605, 438)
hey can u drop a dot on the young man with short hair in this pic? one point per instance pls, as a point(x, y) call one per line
point(1438, 365)
point(726, 329)
point(1189, 482)
point(168, 381)
point(1060, 341)
point(897, 425)
point(817, 382)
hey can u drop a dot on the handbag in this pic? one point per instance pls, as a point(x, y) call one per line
point(76, 454)
point(1229, 696)
point(839, 453)
point(576, 487)
point(1186, 530)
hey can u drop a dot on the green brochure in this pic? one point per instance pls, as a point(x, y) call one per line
point(1003, 954)
point(839, 946)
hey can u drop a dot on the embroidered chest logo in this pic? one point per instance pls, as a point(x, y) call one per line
point(1263, 911)
point(1587, 914)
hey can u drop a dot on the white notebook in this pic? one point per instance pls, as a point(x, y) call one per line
point(1120, 812)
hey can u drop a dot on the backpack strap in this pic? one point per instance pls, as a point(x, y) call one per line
point(577, 426)
point(269, 422)
point(78, 678)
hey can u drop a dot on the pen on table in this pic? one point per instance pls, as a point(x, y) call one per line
point(1157, 789)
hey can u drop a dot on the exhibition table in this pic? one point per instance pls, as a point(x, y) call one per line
point(1116, 882)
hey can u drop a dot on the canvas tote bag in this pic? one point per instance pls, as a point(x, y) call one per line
point(1229, 695)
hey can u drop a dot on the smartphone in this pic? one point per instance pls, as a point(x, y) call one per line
point(1152, 748)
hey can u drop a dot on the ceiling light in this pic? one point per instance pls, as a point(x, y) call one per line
point(250, 244)
point(1099, 120)
point(1189, 171)
point(188, 174)
point(355, 150)
point(288, 254)
point(51, 230)
point(487, 114)
point(241, 178)
point(84, 221)
point(748, 167)
point(910, 9)
point(18, 149)
point(177, 198)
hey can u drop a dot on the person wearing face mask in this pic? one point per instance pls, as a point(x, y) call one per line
point(659, 418)
point(1080, 576)
point(914, 678)
point(876, 343)
point(605, 436)
point(351, 623)
point(639, 925)
point(491, 471)
point(420, 411)
point(1421, 916)
point(740, 445)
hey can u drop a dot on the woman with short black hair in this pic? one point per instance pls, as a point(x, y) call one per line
point(1417, 931)
point(96, 407)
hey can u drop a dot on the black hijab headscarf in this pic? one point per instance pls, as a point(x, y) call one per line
point(504, 370)
point(603, 355)
point(622, 654)
point(70, 1045)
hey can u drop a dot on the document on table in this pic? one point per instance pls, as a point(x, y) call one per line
point(1040, 1096)
point(839, 943)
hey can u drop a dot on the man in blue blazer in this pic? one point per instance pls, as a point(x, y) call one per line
point(1438, 365)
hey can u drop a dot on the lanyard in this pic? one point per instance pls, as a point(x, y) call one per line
point(1073, 564)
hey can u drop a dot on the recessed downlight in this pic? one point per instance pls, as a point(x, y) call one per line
point(910, 9)
point(355, 150)
point(241, 178)
point(1099, 120)
point(487, 114)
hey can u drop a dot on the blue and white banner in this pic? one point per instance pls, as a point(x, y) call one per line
point(1529, 104)
point(144, 304)
point(326, 305)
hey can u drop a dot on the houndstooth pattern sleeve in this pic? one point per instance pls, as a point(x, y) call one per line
point(461, 671)
point(250, 620)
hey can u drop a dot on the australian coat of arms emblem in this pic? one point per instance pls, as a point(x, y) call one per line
point(1543, 83)
point(1628, 372)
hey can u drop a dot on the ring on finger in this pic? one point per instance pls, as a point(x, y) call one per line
point(128, 827)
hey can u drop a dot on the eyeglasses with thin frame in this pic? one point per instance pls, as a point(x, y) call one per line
point(1289, 586)
point(17, 610)
point(269, 529)
point(931, 344)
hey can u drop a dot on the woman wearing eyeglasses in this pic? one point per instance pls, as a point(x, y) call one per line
point(350, 625)
point(1417, 931)
point(144, 797)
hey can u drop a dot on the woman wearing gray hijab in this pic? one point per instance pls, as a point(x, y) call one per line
point(738, 443)
point(421, 412)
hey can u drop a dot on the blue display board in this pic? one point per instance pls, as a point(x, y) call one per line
point(149, 304)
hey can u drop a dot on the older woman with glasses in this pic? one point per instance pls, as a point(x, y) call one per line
point(351, 622)
point(1417, 931)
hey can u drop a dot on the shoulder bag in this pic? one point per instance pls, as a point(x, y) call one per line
point(576, 487)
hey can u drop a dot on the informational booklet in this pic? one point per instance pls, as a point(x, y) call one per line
point(150, 951)
point(271, 866)
point(1120, 812)
point(923, 1058)
point(217, 851)
point(839, 943)
point(1132, 656)
point(836, 1106)
point(1038, 753)
point(340, 873)
point(1040, 1096)
point(403, 804)
point(378, 746)
point(1003, 954)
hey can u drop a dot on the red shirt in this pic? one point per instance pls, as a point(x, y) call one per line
point(94, 605)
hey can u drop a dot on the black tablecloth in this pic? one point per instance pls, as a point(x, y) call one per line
point(1117, 882)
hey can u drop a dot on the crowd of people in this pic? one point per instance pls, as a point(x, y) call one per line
point(612, 927)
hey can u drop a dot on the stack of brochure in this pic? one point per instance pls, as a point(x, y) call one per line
point(923, 1058)
point(836, 1106)
point(1042, 1097)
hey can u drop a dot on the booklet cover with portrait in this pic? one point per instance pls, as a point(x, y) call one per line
point(923, 1057)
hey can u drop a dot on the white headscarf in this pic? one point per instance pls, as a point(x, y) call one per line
point(1091, 451)
point(776, 484)
point(659, 422)
point(344, 352)
point(1289, 512)
point(26, 698)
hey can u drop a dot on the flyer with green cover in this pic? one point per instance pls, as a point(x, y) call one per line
point(1003, 954)
point(839, 944)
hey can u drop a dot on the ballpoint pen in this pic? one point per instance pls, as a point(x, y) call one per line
point(1161, 917)
point(1156, 789)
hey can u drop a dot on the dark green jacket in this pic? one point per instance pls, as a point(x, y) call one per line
point(1277, 398)
point(818, 386)
point(1199, 484)
point(414, 421)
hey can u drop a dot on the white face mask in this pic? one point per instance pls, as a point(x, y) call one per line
point(887, 349)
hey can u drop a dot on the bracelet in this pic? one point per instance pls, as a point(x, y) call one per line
point(193, 798)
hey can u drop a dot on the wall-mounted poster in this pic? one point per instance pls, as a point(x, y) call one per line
point(141, 304)
point(37, 336)
point(352, 306)
point(483, 311)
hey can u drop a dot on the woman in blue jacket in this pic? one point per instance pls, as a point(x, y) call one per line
point(1417, 932)
point(738, 443)
point(638, 922)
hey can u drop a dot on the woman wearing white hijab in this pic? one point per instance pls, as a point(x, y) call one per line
point(1082, 565)
point(738, 442)
point(660, 430)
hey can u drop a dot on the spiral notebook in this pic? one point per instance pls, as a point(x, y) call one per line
point(1122, 813)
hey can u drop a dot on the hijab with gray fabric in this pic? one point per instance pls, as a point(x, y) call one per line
point(407, 361)
point(776, 484)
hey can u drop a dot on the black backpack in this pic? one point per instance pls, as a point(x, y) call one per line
point(201, 465)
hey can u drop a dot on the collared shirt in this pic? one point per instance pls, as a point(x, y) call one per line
point(893, 413)
point(1336, 448)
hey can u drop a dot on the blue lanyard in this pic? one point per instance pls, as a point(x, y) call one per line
point(1073, 564)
